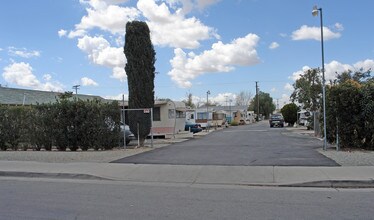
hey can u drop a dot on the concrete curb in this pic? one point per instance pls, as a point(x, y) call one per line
point(280, 176)
point(311, 184)
point(51, 175)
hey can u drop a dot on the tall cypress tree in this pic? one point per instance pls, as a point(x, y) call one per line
point(140, 72)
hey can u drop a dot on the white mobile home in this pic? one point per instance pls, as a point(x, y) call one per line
point(169, 117)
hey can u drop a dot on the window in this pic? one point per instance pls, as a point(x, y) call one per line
point(171, 113)
point(202, 115)
point(180, 114)
point(156, 114)
point(218, 116)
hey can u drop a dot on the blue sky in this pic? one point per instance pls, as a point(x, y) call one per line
point(219, 45)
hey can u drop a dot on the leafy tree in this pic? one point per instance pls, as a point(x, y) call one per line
point(243, 98)
point(189, 101)
point(308, 90)
point(65, 95)
point(266, 104)
point(289, 113)
point(140, 72)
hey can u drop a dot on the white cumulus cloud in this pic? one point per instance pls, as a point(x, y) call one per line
point(23, 52)
point(296, 75)
point(339, 27)
point(335, 67)
point(47, 77)
point(285, 99)
point(98, 4)
point(189, 5)
point(314, 33)
point(221, 58)
point(364, 65)
point(88, 82)
point(224, 98)
point(288, 87)
point(62, 32)
point(173, 29)
point(21, 74)
point(273, 45)
point(119, 73)
point(101, 53)
point(112, 18)
point(118, 97)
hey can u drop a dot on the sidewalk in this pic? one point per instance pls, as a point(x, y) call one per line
point(178, 174)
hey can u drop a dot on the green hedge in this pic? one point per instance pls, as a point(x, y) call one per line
point(350, 114)
point(64, 124)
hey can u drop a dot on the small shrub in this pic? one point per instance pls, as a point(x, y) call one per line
point(234, 123)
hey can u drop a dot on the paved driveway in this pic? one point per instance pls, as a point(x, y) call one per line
point(248, 145)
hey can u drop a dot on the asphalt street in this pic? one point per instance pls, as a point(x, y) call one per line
point(52, 199)
point(247, 145)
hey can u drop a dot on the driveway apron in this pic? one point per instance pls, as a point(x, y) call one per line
point(248, 145)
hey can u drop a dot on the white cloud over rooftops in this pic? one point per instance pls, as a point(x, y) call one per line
point(314, 33)
point(100, 52)
point(221, 58)
point(22, 74)
point(118, 97)
point(88, 82)
point(334, 67)
point(296, 75)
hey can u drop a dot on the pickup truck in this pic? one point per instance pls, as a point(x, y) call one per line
point(276, 121)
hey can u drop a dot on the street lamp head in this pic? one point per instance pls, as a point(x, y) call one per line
point(315, 11)
point(208, 92)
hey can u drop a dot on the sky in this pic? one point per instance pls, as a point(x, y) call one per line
point(220, 46)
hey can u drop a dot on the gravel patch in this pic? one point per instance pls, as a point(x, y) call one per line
point(81, 156)
point(68, 157)
point(350, 157)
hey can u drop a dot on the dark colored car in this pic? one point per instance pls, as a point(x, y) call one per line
point(192, 127)
point(276, 121)
point(128, 134)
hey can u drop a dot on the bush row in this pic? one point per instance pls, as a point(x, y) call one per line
point(350, 114)
point(64, 124)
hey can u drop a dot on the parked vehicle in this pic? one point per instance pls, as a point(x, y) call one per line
point(128, 134)
point(276, 120)
point(192, 127)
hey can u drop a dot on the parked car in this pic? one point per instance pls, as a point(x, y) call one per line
point(276, 120)
point(128, 134)
point(192, 127)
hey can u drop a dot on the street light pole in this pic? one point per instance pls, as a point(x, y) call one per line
point(207, 112)
point(315, 13)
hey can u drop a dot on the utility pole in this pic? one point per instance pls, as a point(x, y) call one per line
point(76, 87)
point(207, 110)
point(277, 104)
point(258, 102)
